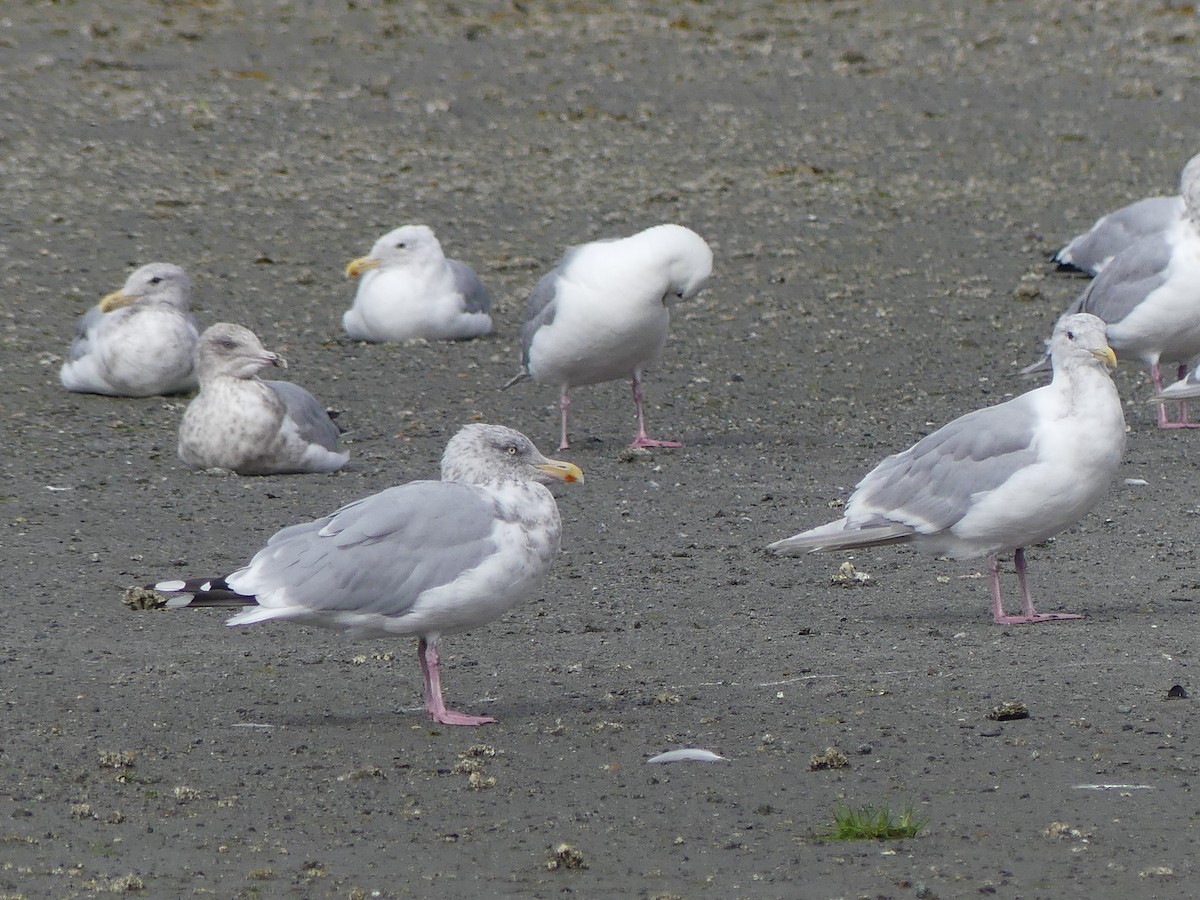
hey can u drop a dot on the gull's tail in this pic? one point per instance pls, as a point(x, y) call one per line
point(175, 594)
point(837, 536)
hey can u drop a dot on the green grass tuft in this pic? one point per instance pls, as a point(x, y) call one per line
point(874, 823)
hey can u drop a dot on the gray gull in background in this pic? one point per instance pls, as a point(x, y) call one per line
point(428, 558)
point(1091, 251)
point(1150, 297)
point(138, 341)
point(409, 289)
point(246, 425)
point(998, 479)
point(603, 313)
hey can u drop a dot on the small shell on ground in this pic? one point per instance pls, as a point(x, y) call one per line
point(688, 755)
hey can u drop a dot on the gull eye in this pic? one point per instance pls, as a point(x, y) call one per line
point(512, 449)
point(401, 245)
point(1070, 335)
point(157, 279)
point(227, 344)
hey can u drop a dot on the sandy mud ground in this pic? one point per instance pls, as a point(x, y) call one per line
point(880, 182)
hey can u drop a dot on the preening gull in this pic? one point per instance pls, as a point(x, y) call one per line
point(138, 341)
point(1000, 478)
point(409, 289)
point(1150, 297)
point(603, 313)
point(246, 425)
point(428, 558)
point(1091, 251)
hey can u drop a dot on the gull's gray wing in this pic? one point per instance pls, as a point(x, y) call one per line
point(309, 415)
point(80, 345)
point(540, 310)
point(378, 554)
point(476, 297)
point(1126, 281)
point(930, 486)
point(1113, 233)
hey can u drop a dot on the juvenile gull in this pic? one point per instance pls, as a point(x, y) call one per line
point(428, 558)
point(1000, 478)
point(138, 341)
point(603, 313)
point(246, 425)
point(409, 289)
point(1091, 251)
point(1150, 297)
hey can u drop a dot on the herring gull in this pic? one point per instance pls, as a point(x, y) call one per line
point(603, 313)
point(1000, 478)
point(1091, 251)
point(428, 558)
point(246, 425)
point(138, 341)
point(1150, 297)
point(410, 289)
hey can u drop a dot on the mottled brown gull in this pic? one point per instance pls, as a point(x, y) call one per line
point(247, 425)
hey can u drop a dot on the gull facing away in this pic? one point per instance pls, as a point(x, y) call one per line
point(410, 289)
point(1000, 478)
point(603, 313)
point(428, 558)
point(1150, 297)
point(138, 341)
point(1091, 251)
point(249, 426)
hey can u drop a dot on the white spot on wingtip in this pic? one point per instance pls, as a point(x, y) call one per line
point(207, 586)
point(169, 586)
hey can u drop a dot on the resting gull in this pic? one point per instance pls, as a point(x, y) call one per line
point(1150, 297)
point(138, 341)
point(246, 425)
point(1000, 478)
point(428, 558)
point(1091, 251)
point(409, 289)
point(603, 313)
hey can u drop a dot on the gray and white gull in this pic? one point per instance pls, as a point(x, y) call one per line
point(1000, 478)
point(1091, 251)
point(603, 313)
point(408, 288)
point(138, 341)
point(426, 558)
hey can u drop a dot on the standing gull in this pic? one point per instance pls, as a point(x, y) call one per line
point(1000, 478)
point(409, 289)
point(603, 313)
point(428, 558)
point(246, 425)
point(138, 341)
point(1091, 251)
point(1150, 297)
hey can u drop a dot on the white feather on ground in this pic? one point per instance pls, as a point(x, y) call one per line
point(603, 313)
point(138, 341)
point(409, 289)
point(428, 558)
point(247, 425)
point(1000, 478)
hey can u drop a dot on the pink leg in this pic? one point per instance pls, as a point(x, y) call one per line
point(1163, 421)
point(642, 440)
point(431, 672)
point(1029, 615)
point(564, 404)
